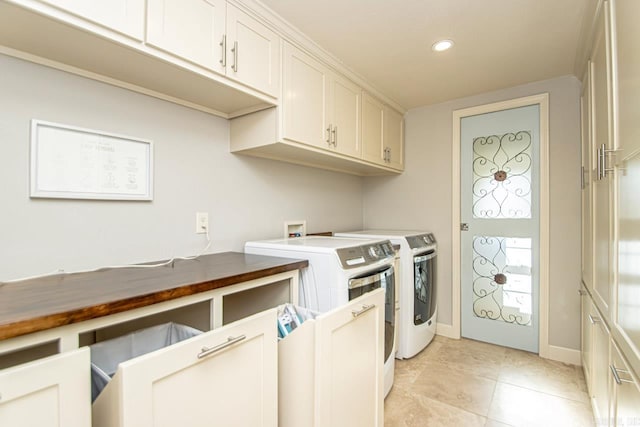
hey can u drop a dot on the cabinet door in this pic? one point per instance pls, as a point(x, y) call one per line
point(345, 116)
point(627, 178)
point(51, 392)
point(124, 16)
point(394, 138)
point(190, 29)
point(226, 377)
point(372, 130)
point(349, 364)
point(587, 182)
point(601, 114)
point(253, 52)
point(305, 99)
point(600, 368)
point(626, 392)
point(586, 326)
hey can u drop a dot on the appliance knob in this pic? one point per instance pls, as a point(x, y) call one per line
point(373, 251)
point(426, 239)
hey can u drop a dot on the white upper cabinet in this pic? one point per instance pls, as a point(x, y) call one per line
point(305, 105)
point(587, 182)
point(192, 30)
point(219, 37)
point(252, 52)
point(372, 129)
point(601, 114)
point(345, 116)
point(124, 16)
point(394, 138)
point(382, 133)
point(320, 107)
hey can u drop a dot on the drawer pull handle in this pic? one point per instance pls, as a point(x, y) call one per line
point(230, 341)
point(365, 308)
point(594, 320)
point(617, 378)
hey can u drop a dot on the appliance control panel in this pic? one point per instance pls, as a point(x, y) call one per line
point(421, 241)
point(358, 256)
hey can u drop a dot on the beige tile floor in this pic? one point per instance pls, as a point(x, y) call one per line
point(469, 383)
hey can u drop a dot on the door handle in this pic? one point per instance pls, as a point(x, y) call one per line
point(365, 308)
point(229, 342)
point(223, 45)
point(464, 227)
point(234, 67)
point(615, 371)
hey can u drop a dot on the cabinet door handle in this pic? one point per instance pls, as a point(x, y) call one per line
point(234, 67)
point(365, 308)
point(616, 376)
point(335, 136)
point(388, 154)
point(229, 342)
point(593, 319)
point(329, 135)
point(223, 45)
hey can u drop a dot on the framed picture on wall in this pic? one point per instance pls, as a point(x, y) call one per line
point(69, 162)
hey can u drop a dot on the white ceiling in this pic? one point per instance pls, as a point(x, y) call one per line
point(499, 43)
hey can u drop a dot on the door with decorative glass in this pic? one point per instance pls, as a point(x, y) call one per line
point(500, 227)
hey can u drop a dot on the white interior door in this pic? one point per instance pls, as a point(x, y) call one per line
point(500, 242)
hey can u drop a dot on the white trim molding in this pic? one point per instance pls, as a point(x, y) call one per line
point(543, 101)
point(565, 355)
point(446, 331)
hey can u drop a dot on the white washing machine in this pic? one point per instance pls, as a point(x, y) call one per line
point(340, 270)
point(416, 286)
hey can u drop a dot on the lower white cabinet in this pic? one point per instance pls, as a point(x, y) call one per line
point(625, 396)
point(586, 326)
point(600, 368)
point(331, 367)
point(225, 377)
point(50, 392)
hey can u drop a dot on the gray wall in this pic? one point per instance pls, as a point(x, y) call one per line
point(421, 197)
point(246, 198)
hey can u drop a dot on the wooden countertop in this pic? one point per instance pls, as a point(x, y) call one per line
point(37, 304)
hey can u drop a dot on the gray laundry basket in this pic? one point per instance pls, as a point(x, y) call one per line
point(107, 355)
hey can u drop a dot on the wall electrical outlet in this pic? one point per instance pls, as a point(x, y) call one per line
point(202, 222)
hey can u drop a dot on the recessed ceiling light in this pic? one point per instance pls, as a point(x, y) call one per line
point(441, 45)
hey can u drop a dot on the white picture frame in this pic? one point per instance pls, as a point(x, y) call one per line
point(69, 162)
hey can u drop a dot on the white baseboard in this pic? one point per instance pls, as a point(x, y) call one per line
point(446, 331)
point(565, 355)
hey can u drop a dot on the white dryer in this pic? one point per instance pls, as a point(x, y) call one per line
point(340, 270)
point(416, 286)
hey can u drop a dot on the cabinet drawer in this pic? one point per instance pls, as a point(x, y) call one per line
point(50, 392)
point(337, 358)
point(210, 378)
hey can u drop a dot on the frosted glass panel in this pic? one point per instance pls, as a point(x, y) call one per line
point(502, 176)
point(502, 285)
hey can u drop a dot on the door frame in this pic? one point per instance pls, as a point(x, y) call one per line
point(542, 100)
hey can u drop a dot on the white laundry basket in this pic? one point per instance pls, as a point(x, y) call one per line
point(107, 355)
